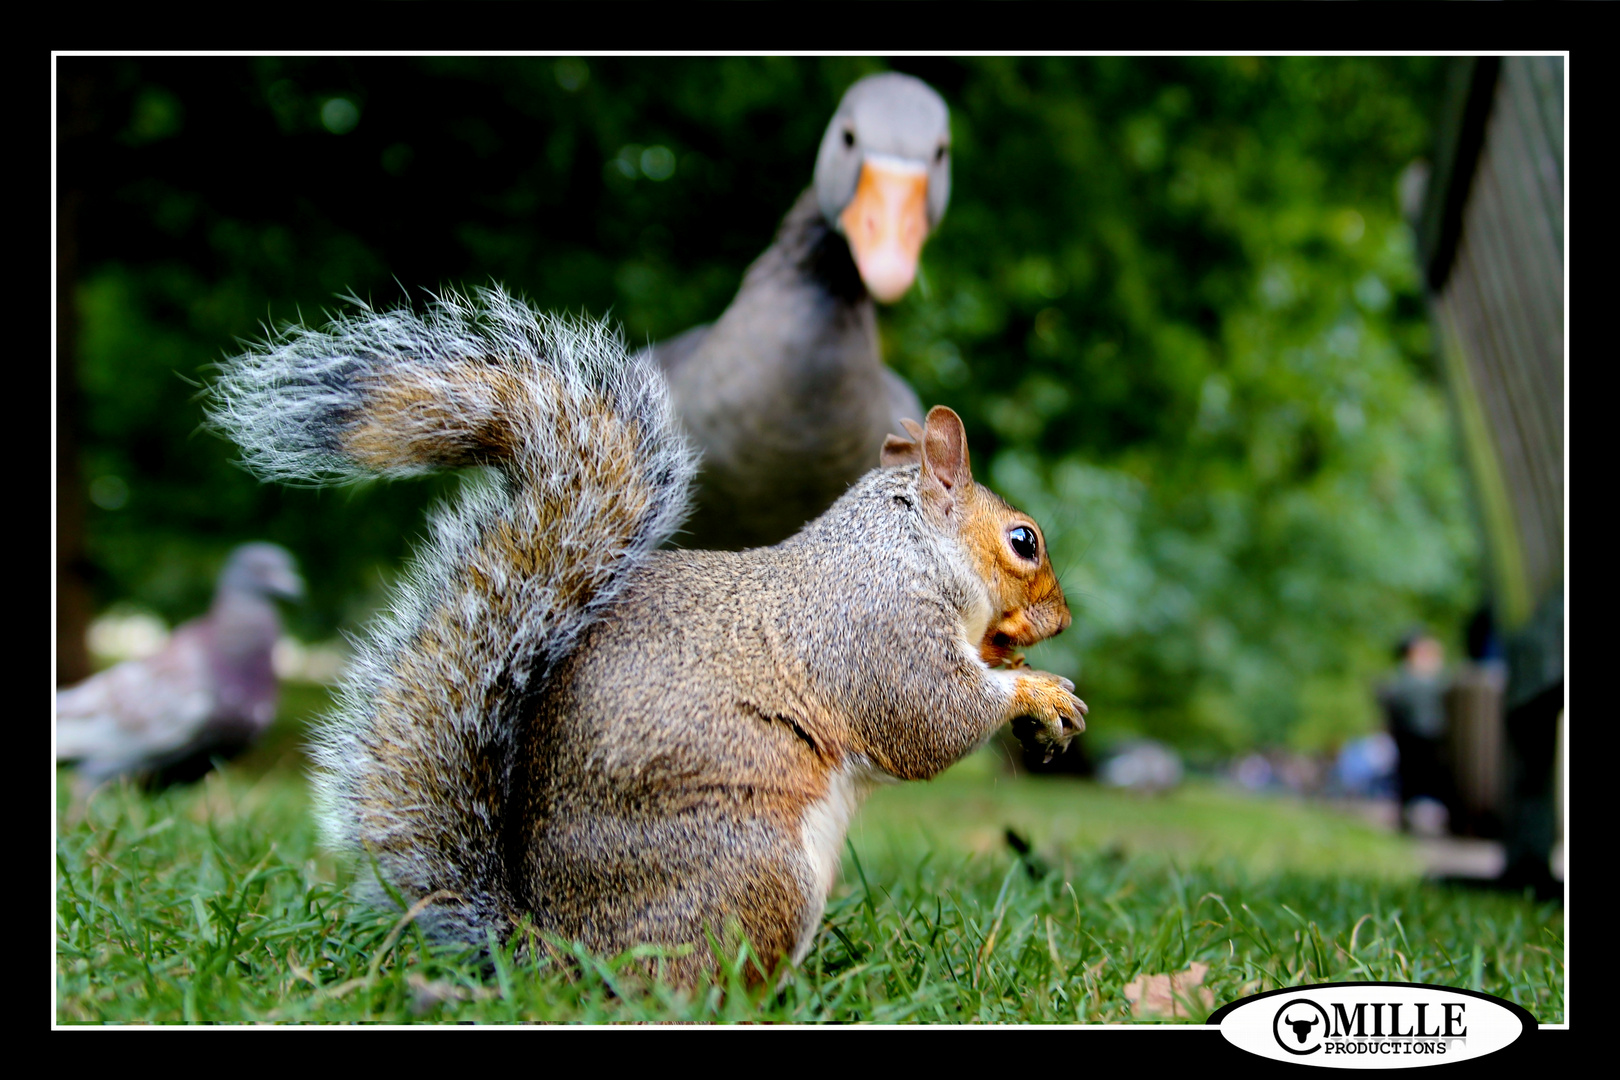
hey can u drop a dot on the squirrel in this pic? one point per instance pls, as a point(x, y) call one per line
point(556, 720)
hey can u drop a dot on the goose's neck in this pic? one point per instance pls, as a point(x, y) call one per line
point(808, 250)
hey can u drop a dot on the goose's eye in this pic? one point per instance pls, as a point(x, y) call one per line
point(939, 155)
point(849, 137)
point(1024, 542)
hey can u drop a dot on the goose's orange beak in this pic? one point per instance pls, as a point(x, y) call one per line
point(886, 223)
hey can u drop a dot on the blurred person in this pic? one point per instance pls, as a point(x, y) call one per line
point(1365, 767)
point(1413, 700)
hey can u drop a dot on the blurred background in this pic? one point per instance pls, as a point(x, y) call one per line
point(1183, 305)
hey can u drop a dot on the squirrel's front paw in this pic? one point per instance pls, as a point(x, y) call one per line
point(1048, 700)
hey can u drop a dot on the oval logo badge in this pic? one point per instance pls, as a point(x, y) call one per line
point(1372, 1025)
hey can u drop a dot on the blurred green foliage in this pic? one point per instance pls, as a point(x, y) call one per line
point(1173, 299)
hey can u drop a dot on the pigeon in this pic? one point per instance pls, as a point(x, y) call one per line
point(208, 695)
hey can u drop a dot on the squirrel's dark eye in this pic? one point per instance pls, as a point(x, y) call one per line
point(1024, 542)
point(849, 136)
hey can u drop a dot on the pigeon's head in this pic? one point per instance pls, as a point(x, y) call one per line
point(883, 176)
point(262, 568)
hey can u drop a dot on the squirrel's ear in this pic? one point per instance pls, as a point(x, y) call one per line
point(946, 474)
point(898, 451)
point(945, 447)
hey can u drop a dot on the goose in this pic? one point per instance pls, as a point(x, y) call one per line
point(786, 394)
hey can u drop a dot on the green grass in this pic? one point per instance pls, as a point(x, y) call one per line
point(213, 903)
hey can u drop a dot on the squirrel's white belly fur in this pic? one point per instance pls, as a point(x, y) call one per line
point(822, 831)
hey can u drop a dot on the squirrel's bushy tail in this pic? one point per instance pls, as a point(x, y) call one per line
point(594, 473)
